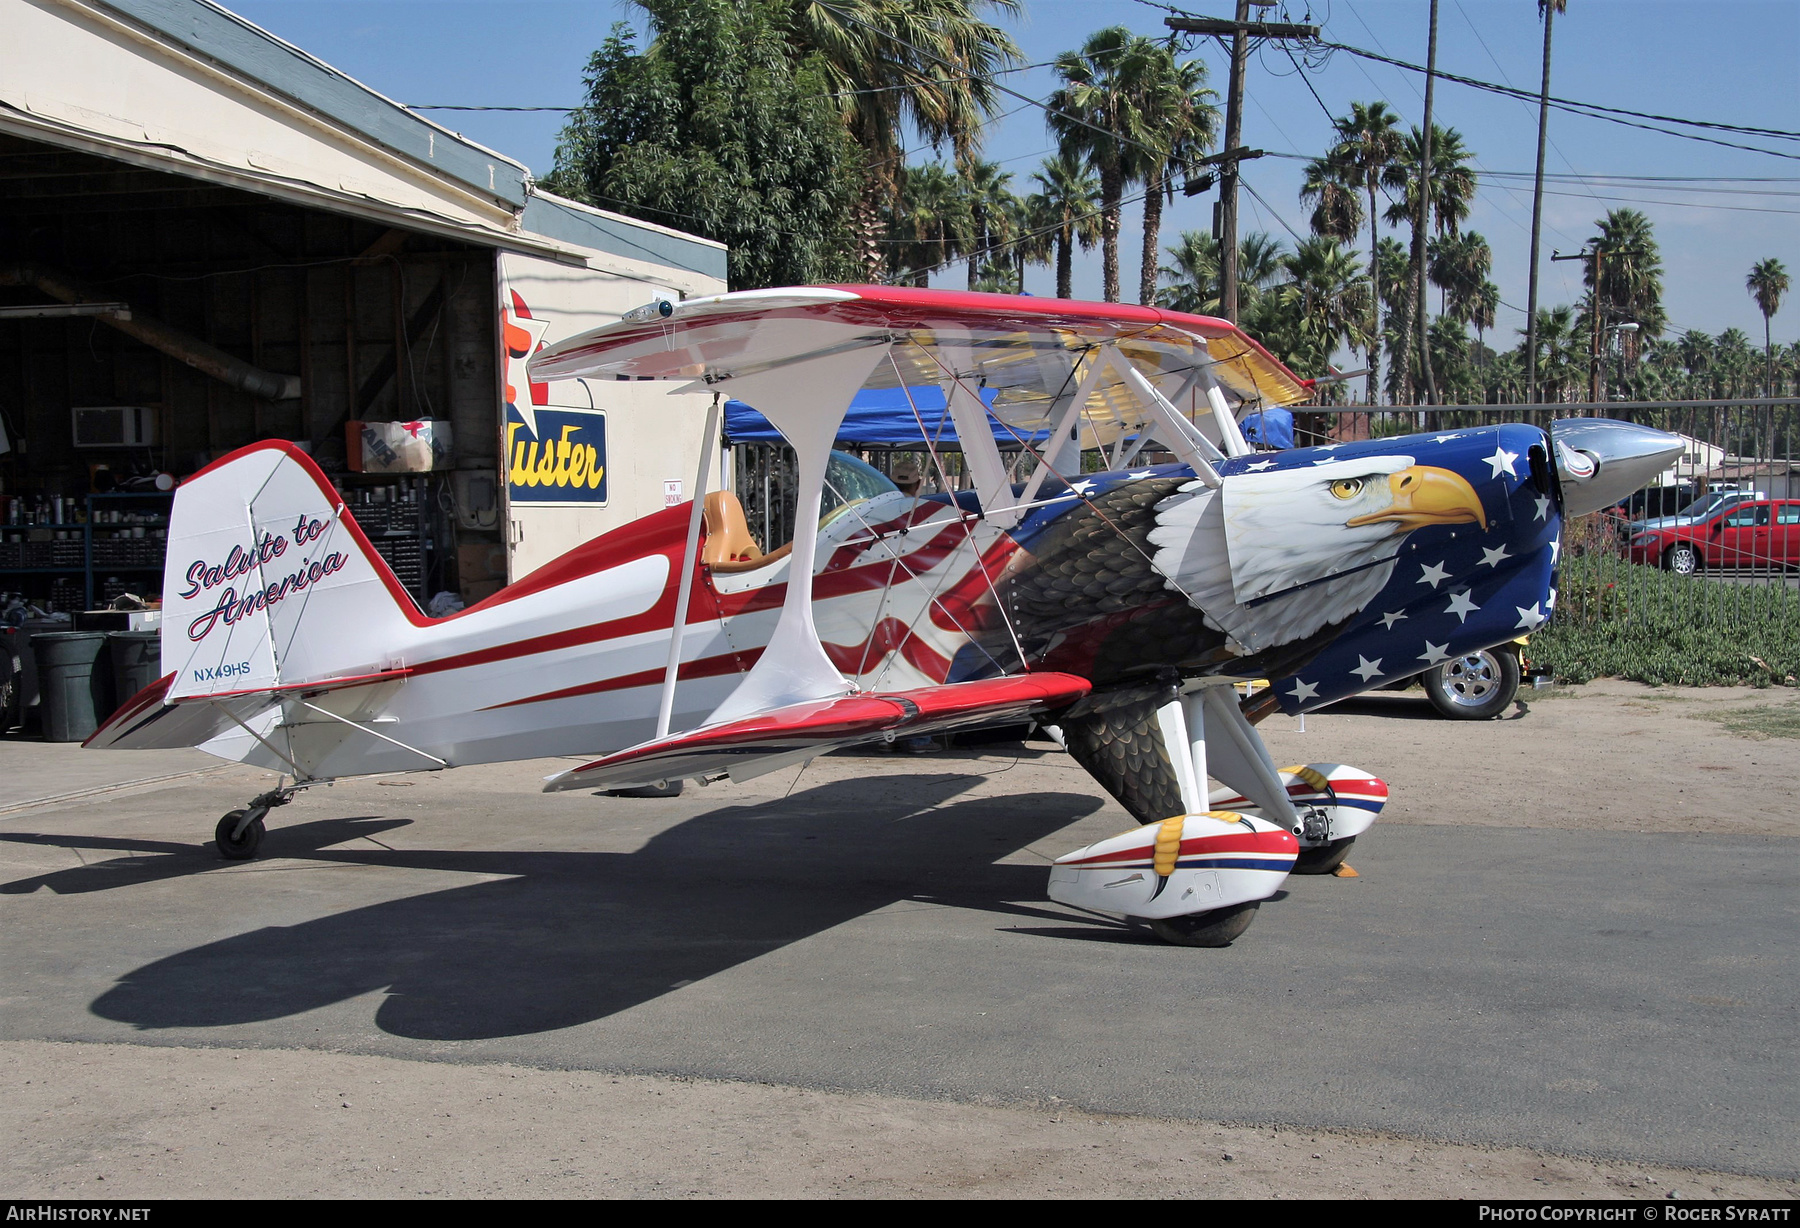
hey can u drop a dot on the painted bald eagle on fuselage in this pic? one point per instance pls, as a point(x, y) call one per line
point(1274, 557)
point(1153, 571)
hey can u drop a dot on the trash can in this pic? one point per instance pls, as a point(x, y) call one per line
point(136, 661)
point(27, 710)
point(72, 678)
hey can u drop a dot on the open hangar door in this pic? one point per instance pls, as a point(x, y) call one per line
point(192, 318)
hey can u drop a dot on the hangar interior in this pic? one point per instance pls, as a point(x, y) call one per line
point(249, 318)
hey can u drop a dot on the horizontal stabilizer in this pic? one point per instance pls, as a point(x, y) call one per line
point(752, 745)
point(151, 720)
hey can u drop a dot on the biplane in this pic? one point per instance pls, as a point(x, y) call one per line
point(1121, 609)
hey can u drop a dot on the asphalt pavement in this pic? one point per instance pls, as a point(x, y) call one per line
point(883, 928)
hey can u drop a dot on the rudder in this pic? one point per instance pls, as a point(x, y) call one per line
point(270, 583)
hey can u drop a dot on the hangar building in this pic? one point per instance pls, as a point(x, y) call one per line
point(208, 237)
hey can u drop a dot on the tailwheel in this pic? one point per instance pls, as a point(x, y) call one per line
point(239, 834)
point(1325, 859)
point(1207, 929)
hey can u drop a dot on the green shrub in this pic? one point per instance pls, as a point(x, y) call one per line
point(1618, 619)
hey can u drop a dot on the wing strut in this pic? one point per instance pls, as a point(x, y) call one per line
point(1186, 442)
point(666, 707)
point(357, 725)
point(1230, 435)
point(806, 402)
point(231, 716)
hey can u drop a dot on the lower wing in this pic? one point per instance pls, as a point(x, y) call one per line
point(752, 745)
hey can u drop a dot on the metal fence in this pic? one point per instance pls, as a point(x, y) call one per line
point(1694, 579)
point(1715, 599)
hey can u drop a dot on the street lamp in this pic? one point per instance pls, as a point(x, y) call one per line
point(1629, 326)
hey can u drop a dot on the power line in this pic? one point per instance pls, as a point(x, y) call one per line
point(1593, 110)
point(1271, 208)
point(1613, 115)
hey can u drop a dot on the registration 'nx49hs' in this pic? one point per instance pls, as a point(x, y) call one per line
point(1118, 607)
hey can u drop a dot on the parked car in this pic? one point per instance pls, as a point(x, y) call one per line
point(1648, 503)
point(1744, 532)
point(1654, 501)
point(1706, 505)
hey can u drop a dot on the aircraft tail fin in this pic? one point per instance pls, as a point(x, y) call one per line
point(271, 585)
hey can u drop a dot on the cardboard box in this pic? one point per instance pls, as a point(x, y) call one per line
point(481, 561)
point(398, 447)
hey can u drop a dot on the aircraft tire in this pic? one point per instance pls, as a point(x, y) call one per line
point(1122, 748)
point(1207, 929)
point(243, 847)
point(1323, 859)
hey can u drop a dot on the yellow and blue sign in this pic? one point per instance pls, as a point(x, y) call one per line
point(562, 461)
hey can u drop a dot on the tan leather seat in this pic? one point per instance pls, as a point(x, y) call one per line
point(728, 540)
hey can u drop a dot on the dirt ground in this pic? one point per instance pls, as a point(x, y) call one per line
point(123, 1121)
point(146, 1121)
point(1608, 756)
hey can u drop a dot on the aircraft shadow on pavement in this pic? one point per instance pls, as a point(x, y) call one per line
point(570, 937)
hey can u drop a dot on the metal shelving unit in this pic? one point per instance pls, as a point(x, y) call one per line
point(100, 549)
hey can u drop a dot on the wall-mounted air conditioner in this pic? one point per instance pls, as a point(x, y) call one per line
point(114, 426)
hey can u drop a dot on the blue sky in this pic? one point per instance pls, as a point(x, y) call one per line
point(1729, 61)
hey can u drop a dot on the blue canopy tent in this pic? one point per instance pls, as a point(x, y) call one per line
point(1271, 427)
point(882, 418)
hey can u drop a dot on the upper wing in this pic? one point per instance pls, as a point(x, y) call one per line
point(1022, 349)
point(761, 743)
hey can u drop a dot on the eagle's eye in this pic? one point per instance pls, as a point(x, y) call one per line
point(1347, 488)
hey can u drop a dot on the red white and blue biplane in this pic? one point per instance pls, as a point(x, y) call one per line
point(1119, 608)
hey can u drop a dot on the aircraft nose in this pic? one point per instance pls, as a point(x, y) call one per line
point(1601, 460)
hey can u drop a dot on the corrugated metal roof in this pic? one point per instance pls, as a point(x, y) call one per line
point(248, 49)
point(245, 49)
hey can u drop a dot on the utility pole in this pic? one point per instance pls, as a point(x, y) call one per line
point(1241, 30)
point(1586, 255)
point(1537, 213)
point(1422, 240)
point(1599, 314)
point(1596, 311)
point(1228, 179)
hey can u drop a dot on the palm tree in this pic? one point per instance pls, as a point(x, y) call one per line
point(1732, 357)
point(1178, 109)
point(1033, 228)
point(1194, 278)
point(1337, 209)
point(1630, 276)
point(899, 65)
point(1330, 294)
point(1071, 199)
point(1458, 265)
point(929, 223)
point(1767, 282)
point(1556, 360)
point(1452, 188)
point(1099, 115)
point(991, 210)
point(1368, 141)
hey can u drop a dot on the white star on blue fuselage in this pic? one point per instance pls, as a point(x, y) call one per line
point(1434, 575)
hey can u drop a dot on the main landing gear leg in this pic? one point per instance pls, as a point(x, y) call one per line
point(240, 833)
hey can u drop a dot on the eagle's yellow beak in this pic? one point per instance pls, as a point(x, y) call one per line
point(1425, 494)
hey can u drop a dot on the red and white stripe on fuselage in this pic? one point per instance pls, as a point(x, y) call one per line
point(569, 660)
